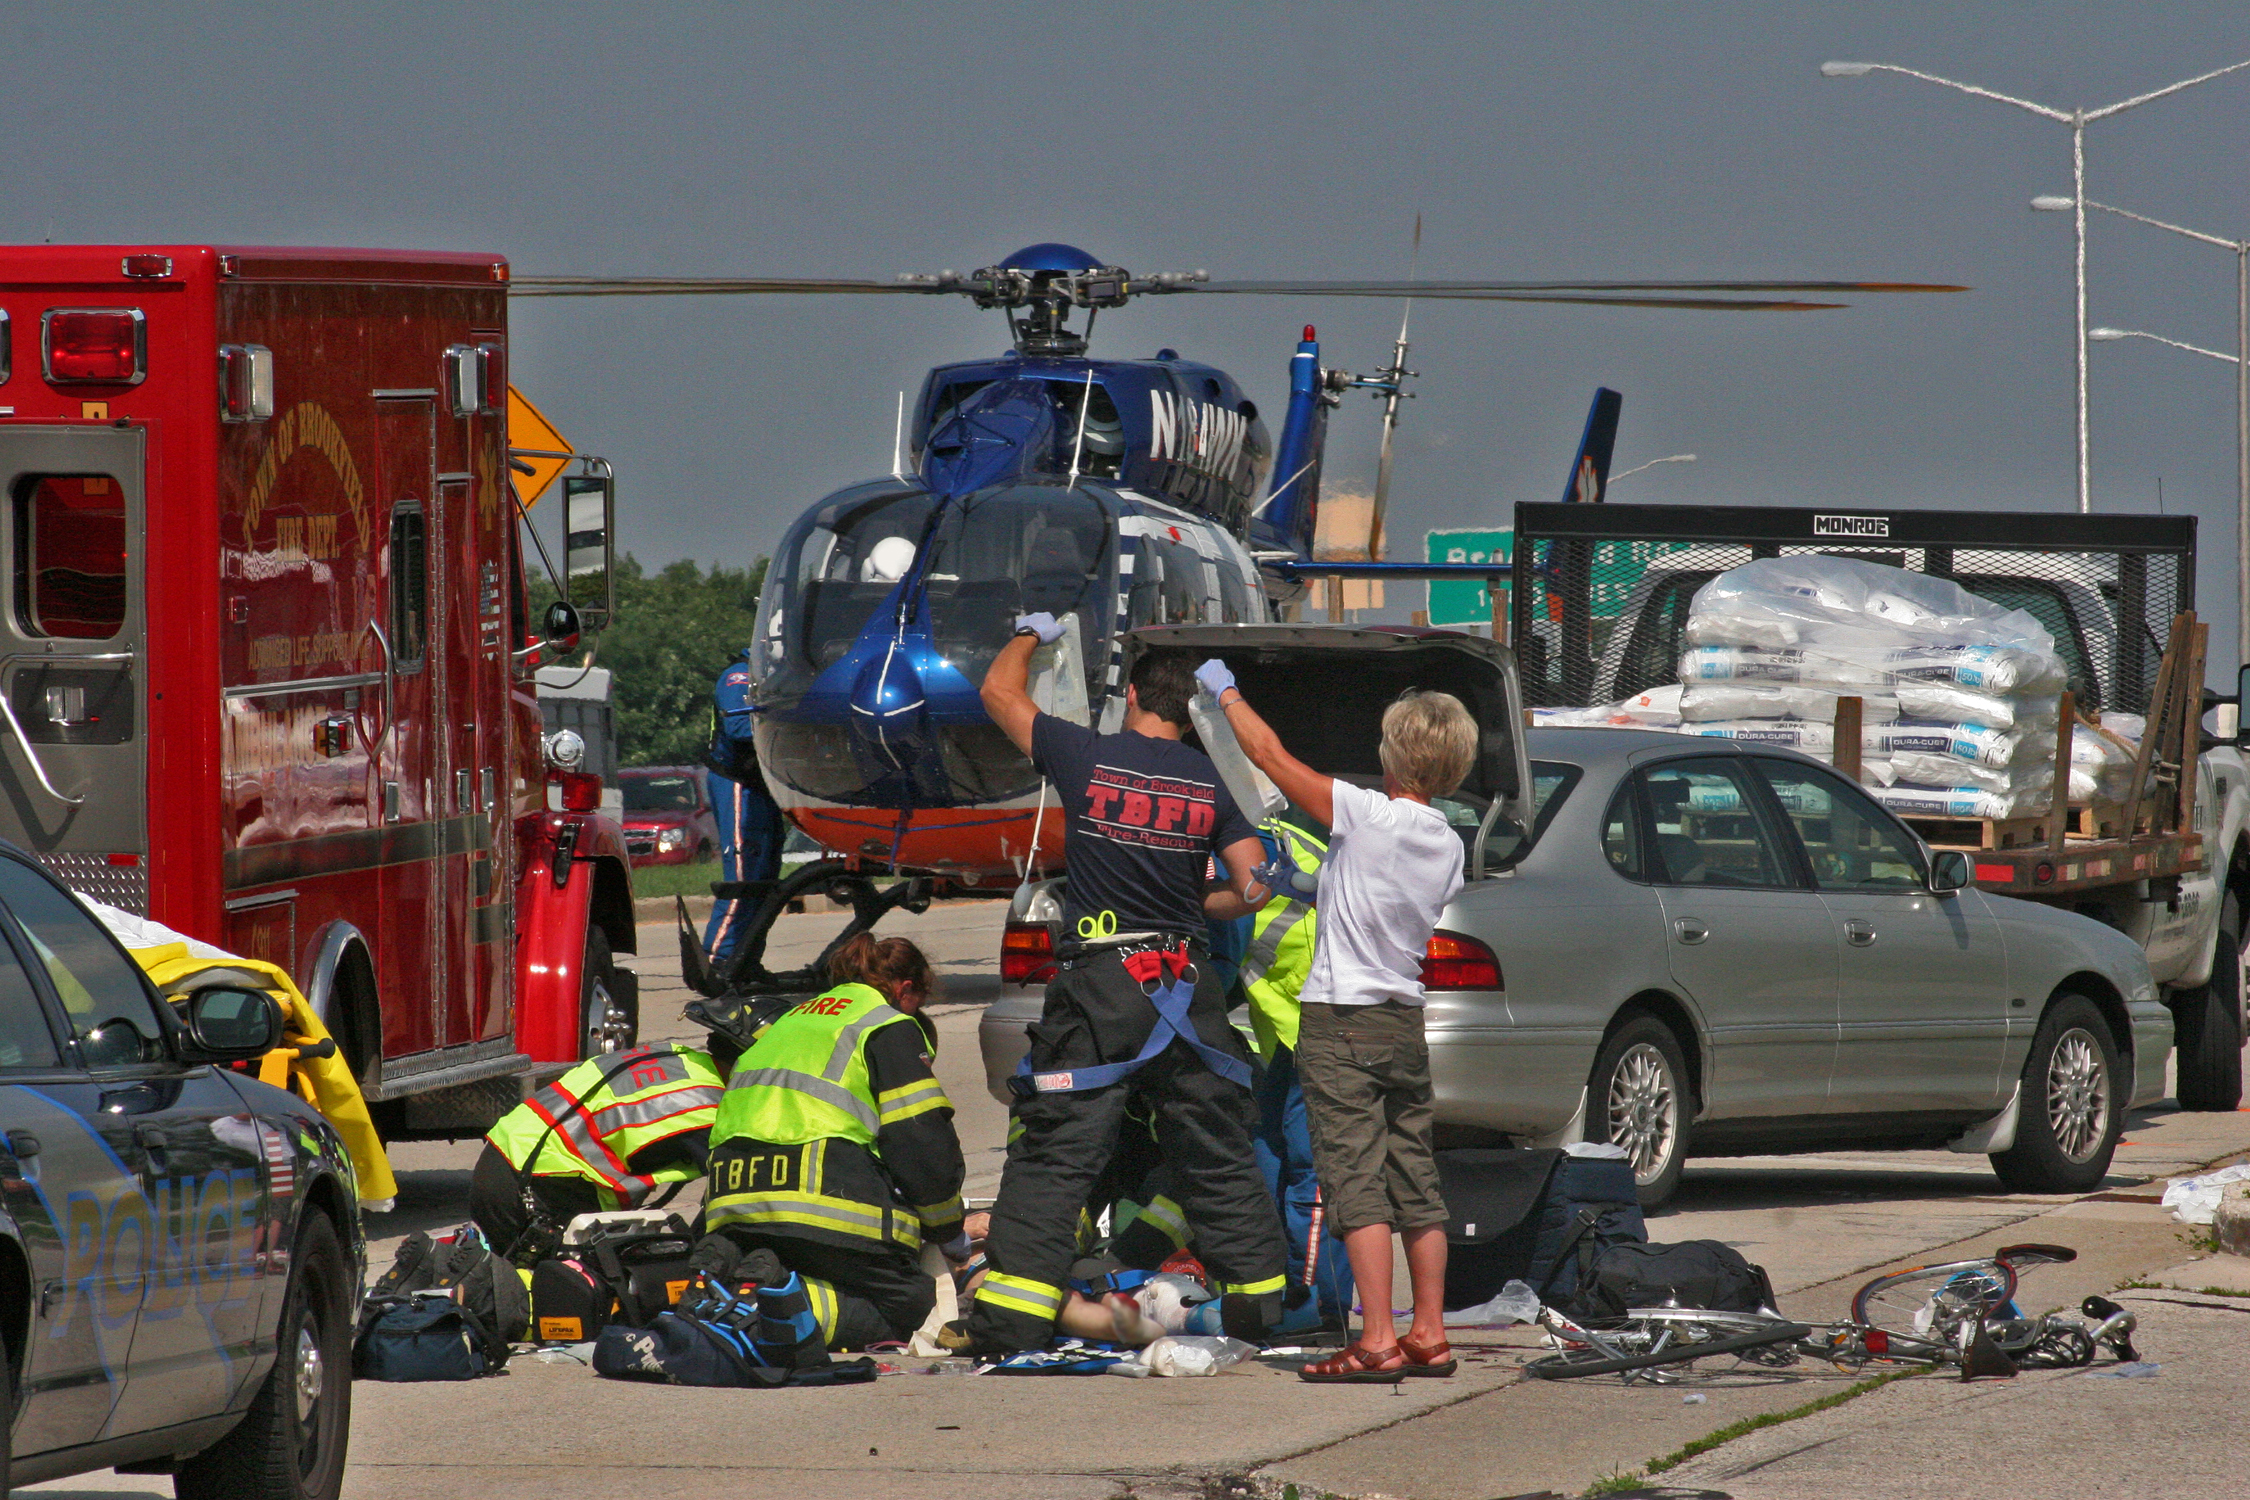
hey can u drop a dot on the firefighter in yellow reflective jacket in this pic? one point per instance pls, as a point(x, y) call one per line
point(834, 1159)
point(1273, 972)
point(603, 1136)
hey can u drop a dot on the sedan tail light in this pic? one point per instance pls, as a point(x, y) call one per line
point(1454, 961)
point(1027, 953)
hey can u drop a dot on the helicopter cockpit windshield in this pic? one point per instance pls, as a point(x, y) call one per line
point(993, 555)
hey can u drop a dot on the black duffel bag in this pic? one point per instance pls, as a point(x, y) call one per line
point(420, 1336)
point(1695, 1273)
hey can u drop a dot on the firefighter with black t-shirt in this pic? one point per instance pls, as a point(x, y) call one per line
point(1134, 1012)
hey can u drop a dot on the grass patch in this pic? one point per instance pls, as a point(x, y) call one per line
point(675, 880)
point(1616, 1483)
point(2139, 1284)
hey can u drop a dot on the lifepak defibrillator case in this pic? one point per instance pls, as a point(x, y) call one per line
point(644, 1265)
point(570, 1301)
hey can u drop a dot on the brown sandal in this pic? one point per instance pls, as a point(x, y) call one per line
point(1358, 1366)
point(1423, 1359)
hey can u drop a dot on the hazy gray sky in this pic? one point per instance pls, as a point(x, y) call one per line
point(1590, 140)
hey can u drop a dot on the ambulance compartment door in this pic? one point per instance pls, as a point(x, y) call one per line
point(73, 679)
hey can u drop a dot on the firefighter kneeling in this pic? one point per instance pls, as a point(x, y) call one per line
point(602, 1137)
point(834, 1158)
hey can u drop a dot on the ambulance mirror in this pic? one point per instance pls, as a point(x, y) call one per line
point(562, 627)
point(589, 558)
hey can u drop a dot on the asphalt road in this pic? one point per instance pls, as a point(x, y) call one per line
point(1820, 1225)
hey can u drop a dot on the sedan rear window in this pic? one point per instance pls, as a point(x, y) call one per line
point(1551, 781)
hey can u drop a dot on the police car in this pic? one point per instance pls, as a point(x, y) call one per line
point(180, 1250)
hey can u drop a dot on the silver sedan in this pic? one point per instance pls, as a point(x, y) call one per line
point(1722, 952)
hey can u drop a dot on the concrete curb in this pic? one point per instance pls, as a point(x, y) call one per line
point(2232, 1226)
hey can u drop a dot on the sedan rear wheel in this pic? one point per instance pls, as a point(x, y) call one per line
point(1638, 1099)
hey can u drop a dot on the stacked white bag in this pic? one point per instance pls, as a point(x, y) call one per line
point(1959, 695)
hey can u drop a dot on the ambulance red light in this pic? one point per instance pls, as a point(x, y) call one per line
point(94, 345)
point(148, 267)
point(581, 793)
point(1453, 961)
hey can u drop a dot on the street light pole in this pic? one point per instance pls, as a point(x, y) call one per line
point(2077, 120)
point(2240, 359)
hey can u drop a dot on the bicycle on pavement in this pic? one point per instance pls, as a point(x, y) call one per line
point(1953, 1313)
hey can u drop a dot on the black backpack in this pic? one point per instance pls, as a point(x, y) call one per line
point(1694, 1273)
point(1517, 1216)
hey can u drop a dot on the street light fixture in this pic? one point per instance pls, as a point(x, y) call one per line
point(2240, 359)
point(1675, 458)
point(2077, 120)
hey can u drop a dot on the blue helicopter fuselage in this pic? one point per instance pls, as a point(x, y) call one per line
point(1115, 491)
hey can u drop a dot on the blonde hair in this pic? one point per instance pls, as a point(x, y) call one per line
point(1429, 742)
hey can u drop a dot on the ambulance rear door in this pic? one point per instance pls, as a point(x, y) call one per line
point(73, 673)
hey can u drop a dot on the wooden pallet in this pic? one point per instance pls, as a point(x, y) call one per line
point(2099, 820)
point(1984, 833)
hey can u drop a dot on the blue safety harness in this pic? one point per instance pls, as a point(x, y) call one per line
point(1171, 995)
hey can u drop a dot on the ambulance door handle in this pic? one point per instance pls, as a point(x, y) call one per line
point(1690, 931)
point(390, 684)
point(38, 767)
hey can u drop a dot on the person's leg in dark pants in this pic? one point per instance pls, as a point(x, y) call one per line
point(1206, 1128)
point(496, 1199)
point(728, 912)
point(860, 1298)
point(1065, 1141)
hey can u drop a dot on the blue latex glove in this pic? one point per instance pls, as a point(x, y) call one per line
point(1214, 677)
point(1282, 877)
point(1043, 625)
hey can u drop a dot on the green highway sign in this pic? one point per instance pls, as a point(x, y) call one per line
point(1464, 601)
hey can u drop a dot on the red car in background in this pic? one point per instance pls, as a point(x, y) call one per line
point(668, 817)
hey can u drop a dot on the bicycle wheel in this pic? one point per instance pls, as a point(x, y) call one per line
point(1919, 1312)
point(1653, 1336)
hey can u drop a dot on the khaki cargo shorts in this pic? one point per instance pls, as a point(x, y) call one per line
point(1366, 1075)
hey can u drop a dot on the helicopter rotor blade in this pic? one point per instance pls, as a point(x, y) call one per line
point(1529, 290)
point(711, 286)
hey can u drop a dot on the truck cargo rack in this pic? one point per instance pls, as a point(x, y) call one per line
point(1599, 609)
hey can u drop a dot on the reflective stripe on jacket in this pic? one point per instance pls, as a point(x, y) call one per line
point(591, 1122)
point(835, 1128)
point(1281, 946)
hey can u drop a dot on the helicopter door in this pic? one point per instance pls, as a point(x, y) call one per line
point(71, 677)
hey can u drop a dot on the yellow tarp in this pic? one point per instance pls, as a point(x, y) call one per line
point(324, 1082)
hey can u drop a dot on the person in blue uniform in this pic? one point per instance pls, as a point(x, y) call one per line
point(750, 827)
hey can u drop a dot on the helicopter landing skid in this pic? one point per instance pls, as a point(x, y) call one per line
point(745, 972)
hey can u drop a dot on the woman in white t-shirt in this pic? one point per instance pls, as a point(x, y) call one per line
point(1393, 864)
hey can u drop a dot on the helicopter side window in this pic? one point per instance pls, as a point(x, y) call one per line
point(1102, 452)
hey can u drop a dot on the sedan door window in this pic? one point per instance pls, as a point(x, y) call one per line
point(1708, 831)
point(111, 1012)
point(1850, 843)
point(26, 1041)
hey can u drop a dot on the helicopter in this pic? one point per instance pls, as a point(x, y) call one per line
point(1110, 493)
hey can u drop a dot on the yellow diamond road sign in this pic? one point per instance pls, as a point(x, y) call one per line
point(527, 428)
